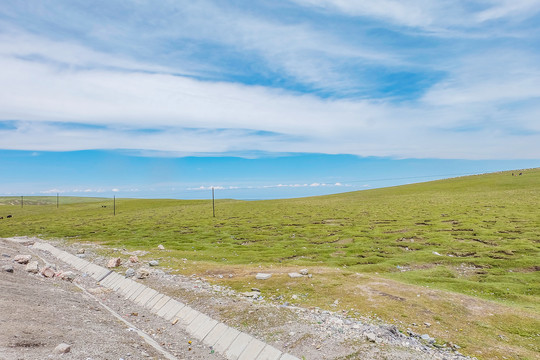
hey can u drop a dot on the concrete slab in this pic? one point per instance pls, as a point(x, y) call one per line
point(169, 315)
point(288, 357)
point(124, 286)
point(269, 353)
point(113, 280)
point(238, 346)
point(146, 295)
point(196, 323)
point(167, 307)
point(153, 301)
point(253, 350)
point(165, 299)
point(137, 293)
point(109, 279)
point(205, 328)
point(213, 336)
point(132, 290)
point(226, 340)
point(187, 315)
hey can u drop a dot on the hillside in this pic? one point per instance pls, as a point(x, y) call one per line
point(476, 235)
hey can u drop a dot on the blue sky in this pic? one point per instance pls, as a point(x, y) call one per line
point(263, 99)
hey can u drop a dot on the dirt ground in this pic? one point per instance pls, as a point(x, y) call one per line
point(38, 313)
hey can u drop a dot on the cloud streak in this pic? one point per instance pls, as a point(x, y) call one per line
point(294, 86)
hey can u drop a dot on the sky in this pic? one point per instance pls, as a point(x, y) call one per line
point(263, 99)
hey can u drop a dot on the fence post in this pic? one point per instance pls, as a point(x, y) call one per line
point(213, 205)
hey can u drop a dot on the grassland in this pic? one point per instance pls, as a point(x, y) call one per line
point(424, 252)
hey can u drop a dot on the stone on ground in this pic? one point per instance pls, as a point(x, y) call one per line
point(48, 271)
point(62, 349)
point(32, 267)
point(134, 259)
point(142, 273)
point(153, 263)
point(114, 262)
point(130, 272)
point(7, 268)
point(295, 275)
point(263, 276)
point(161, 247)
point(304, 272)
point(22, 259)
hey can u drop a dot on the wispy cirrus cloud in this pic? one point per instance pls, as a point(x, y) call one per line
point(213, 78)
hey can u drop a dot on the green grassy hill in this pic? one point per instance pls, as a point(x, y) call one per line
point(476, 235)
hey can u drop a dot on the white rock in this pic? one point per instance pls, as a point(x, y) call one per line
point(263, 276)
point(153, 263)
point(295, 275)
point(22, 259)
point(114, 262)
point(130, 272)
point(436, 253)
point(161, 247)
point(142, 273)
point(62, 349)
point(32, 267)
point(304, 271)
point(7, 268)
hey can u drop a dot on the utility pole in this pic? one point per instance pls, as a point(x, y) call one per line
point(114, 205)
point(57, 200)
point(22, 201)
point(213, 205)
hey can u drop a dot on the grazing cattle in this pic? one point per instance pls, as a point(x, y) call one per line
point(9, 216)
point(1, 217)
point(520, 174)
point(103, 206)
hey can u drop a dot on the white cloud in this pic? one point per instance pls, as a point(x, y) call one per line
point(429, 14)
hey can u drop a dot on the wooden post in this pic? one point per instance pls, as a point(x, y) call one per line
point(213, 205)
point(114, 205)
point(57, 200)
point(22, 201)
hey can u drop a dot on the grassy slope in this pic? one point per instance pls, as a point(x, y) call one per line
point(486, 230)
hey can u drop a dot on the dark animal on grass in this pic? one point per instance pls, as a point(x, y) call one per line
point(9, 216)
point(520, 174)
point(1, 217)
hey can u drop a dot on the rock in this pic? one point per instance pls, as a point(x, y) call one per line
point(251, 294)
point(263, 276)
point(82, 256)
point(32, 267)
point(304, 271)
point(22, 259)
point(142, 273)
point(81, 251)
point(153, 263)
point(294, 297)
point(7, 268)
point(130, 272)
point(134, 259)
point(48, 271)
point(295, 275)
point(6, 255)
point(436, 253)
point(255, 289)
point(371, 337)
point(114, 262)
point(62, 349)
point(161, 247)
point(427, 324)
point(67, 275)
